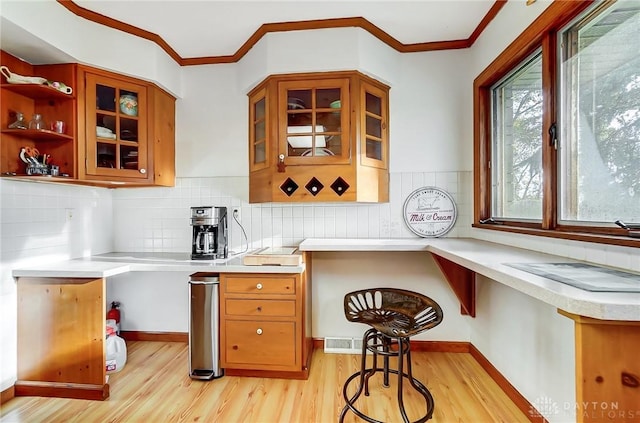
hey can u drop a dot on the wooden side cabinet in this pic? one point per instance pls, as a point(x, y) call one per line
point(265, 325)
point(61, 333)
point(319, 137)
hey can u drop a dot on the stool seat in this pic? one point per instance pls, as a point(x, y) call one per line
point(394, 316)
point(394, 312)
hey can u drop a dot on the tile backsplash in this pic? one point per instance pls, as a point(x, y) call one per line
point(157, 219)
point(42, 222)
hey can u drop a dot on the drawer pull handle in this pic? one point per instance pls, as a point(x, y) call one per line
point(259, 286)
point(259, 309)
point(259, 331)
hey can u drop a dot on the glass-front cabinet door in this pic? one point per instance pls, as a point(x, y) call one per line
point(116, 127)
point(314, 121)
point(374, 118)
point(258, 131)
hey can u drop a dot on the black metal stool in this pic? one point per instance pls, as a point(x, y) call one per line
point(394, 315)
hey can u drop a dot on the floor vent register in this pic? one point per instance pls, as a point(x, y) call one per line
point(342, 345)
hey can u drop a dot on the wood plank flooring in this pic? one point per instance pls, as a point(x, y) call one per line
point(154, 386)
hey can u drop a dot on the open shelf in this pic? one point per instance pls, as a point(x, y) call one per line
point(38, 134)
point(37, 91)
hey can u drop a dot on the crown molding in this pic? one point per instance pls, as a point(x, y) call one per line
point(264, 29)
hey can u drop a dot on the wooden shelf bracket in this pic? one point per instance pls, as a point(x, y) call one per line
point(462, 282)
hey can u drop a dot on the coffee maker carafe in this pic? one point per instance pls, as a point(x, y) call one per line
point(209, 240)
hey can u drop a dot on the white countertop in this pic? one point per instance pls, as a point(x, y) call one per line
point(111, 264)
point(484, 258)
point(489, 259)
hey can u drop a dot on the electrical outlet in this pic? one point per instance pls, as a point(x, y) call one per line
point(69, 214)
point(236, 214)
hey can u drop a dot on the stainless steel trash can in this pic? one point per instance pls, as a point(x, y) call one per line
point(204, 349)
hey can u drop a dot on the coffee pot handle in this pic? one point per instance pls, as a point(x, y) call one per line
point(199, 241)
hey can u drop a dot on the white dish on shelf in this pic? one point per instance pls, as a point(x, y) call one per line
point(14, 78)
point(319, 152)
point(103, 132)
point(306, 139)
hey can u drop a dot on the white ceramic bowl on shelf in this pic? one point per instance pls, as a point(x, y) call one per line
point(304, 140)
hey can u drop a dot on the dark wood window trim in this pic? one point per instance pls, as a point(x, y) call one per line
point(540, 34)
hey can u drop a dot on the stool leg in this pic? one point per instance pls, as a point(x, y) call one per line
point(410, 372)
point(364, 379)
point(375, 336)
point(401, 353)
point(418, 386)
point(386, 343)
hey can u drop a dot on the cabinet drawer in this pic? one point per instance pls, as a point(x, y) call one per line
point(269, 343)
point(285, 285)
point(257, 308)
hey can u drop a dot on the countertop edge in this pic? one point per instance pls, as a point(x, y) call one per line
point(70, 271)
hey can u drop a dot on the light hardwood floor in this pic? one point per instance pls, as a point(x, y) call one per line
point(154, 386)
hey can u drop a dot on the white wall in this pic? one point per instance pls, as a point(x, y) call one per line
point(50, 26)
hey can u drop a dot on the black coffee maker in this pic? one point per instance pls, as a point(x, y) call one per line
point(209, 240)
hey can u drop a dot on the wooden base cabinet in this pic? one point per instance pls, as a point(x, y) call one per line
point(61, 333)
point(607, 369)
point(265, 325)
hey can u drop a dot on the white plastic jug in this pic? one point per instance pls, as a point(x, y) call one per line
point(116, 354)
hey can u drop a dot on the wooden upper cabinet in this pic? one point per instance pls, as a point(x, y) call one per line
point(374, 143)
point(319, 137)
point(115, 130)
point(116, 140)
point(259, 151)
point(128, 130)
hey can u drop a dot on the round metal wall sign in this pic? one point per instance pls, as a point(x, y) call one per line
point(430, 212)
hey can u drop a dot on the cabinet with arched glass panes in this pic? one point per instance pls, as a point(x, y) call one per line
point(319, 137)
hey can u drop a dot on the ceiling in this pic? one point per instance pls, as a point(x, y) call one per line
point(213, 28)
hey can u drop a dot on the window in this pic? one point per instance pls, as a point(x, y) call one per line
point(600, 116)
point(557, 127)
point(517, 143)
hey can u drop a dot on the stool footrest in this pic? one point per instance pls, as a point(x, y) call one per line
point(417, 385)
